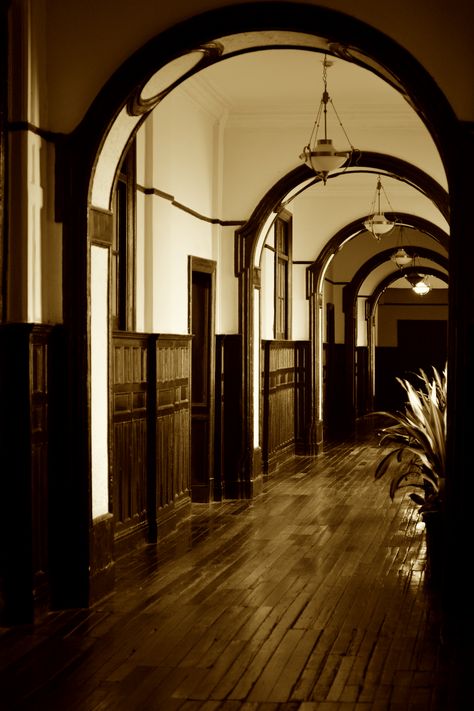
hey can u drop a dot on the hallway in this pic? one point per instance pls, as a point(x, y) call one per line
point(311, 598)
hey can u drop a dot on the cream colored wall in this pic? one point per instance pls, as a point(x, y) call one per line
point(300, 304)
point(103, 34)
point(99, 380)
point(267, 292)
point(56, 92)
point(178, 156)
point(255, 157)
point(361, 322)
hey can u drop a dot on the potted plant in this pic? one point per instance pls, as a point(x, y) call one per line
point(417, 459)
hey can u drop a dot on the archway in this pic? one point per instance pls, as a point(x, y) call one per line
point(252, 236)
point(427, 339)
point(348, 409)
point(91, 177)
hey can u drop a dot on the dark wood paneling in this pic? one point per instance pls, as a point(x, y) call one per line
point(24, 426)
point(130, 435)
point(228, 449)
point(334, 391)
point(389, 395)
point(362, 381)
point(173, 429)
point(202, 368)
point(4, 100)
point(302, 396)
point(151, 436)
point(284, 400)
point(422, 343)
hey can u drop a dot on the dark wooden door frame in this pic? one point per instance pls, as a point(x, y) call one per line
point(205, 266)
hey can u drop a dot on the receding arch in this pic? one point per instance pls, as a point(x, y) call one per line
point(354, 228)
point(351, 289)
point(276, 199)
point(384, 284)
point(77, 158)
point(372, 303)
point(350, 293)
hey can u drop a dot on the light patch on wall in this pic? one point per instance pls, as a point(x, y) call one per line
point(109, 158)
point(99, 380)
point(256, 368)
point(262, 238)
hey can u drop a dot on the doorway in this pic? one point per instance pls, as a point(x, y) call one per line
point(422, 344)
point(201, 326)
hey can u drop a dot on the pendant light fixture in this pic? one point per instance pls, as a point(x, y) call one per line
point(400, 257)
point(418, 282)
point(319, 154)
point(422, 286)
point(377, 224)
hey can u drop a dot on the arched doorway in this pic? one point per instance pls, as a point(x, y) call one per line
point(94, 152)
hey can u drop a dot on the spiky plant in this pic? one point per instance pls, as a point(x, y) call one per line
point(418, 458)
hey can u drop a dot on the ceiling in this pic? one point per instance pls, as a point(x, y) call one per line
point(288, 83)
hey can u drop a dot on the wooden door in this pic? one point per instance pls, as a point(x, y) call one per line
point(203, 379)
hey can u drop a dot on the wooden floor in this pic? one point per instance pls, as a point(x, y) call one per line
point(311, 597)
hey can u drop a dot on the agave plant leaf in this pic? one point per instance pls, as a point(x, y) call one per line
point(402, 481)
point(385, 462)
point(417, 435)
point(417, 499)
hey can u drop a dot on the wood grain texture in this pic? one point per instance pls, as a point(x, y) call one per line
point(311, 597)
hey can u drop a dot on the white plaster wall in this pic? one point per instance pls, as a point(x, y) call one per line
point(361, 327)
point(178, 156)
point(255, 157)
point(183, 153)
point(99, 379)
point(176, 235)
point(227, 297)
point(267, 294)
point(300, 313)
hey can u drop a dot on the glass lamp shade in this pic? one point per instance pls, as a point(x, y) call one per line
point(421, 288)
point(325, 158)
point(401, 258)
point(378, 225)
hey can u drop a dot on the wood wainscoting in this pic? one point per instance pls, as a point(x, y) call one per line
point(130, 417)
point(285, 401)
point(151, 436)
point(24, 427)
point(172, 431)
point(228, 435)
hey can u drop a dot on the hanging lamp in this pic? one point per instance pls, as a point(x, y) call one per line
point(418, 282)
point(319, 154)
point(400, 257)
point(422, 286)
point(377, 223)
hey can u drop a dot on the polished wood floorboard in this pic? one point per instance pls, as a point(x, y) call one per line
point(312, 597)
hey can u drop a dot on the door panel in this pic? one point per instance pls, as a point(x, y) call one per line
point(202, 407)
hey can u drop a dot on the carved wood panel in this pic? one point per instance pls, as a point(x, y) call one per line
point(173, 422)
point(279, 400)
point(229, 418)
point(130, 431)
